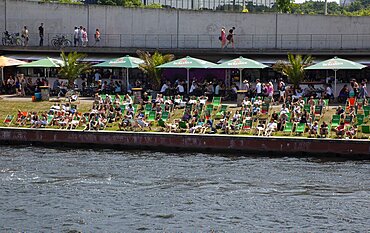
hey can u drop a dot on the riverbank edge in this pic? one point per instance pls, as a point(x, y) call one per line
point(184, 142)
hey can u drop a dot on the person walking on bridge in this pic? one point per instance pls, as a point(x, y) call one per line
point(41, 34)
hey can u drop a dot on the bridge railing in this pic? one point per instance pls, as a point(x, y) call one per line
point(211, 41)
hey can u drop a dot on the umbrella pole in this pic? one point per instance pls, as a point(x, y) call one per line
point(127, 82)
point(2, 74)
point(335, 83)
point(188, 79)
point(240, 78)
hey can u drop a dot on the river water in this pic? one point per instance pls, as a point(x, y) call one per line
point(69, 190)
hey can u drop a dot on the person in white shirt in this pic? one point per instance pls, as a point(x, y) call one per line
point(75, 37)
point(271, 127)
point(180, 88)
point(245, 85)
point(217, 89)
point(193, 87)
point(97, 76)
point(164, 88)
point(258, 88)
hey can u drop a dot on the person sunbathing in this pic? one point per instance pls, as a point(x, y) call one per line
point(270, 128)
point(313, 129)
point(324, 130)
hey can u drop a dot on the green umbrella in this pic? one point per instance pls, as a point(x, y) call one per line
point(241, 63)
point(122, 62)
point(44, 63)
point(188, 63)
point(336, 64)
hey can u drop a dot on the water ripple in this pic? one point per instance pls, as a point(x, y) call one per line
point(67, 190)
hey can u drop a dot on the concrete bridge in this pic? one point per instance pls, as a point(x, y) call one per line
point(173, 30)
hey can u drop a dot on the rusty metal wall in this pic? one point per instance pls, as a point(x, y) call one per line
point(242, 145)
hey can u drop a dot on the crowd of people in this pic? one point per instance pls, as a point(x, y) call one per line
point(203, 115)
point(80, 36)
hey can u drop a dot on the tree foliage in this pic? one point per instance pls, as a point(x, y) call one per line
point(125, 3)
point(73, 66)
point(294, 69)
point(284, 6)
point(62, 1)
point(150, 64)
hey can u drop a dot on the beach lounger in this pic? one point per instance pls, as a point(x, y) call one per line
point(300, 128)
point(8, 120)
point(288, 128)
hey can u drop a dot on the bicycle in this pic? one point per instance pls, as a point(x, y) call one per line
point(60, 41)
point(11, 39)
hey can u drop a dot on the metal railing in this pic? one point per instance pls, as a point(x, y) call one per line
point(211, 41)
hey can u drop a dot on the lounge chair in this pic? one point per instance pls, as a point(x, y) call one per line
point(288, 128)
point(8, 120)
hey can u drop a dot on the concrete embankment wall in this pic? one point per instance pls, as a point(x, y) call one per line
point(183, 29)
point(235, 145)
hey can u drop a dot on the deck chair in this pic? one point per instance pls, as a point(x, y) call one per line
point(151, 116)
point(183, 126)
point(300, 128)
point(148, 108)
point(360, 119)
point(216, 102)
point(288, 128)
point(363, 129)
point(221, 112)
point(247, 125)
point(307, 107)
point(22, 119)
point(351, 102)
point(165, 116)
point(8, 120)
point(265, 108)
point(335, 120)
point(209, 107)
point(318, 111)
point(348, 120)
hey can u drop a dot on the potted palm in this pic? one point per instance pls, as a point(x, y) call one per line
point(294, 68)
point(151, 61)
point(73, 67)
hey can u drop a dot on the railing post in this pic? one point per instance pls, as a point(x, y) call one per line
point(311, 41)
point(145, 40)
point(252, 41)
point(198, 41)
point(281, 41)
point(341, 41)
point(120, 40)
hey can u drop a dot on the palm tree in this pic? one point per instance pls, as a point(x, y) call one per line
point(294, 69)
point(73, 67)
point(150, 64)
